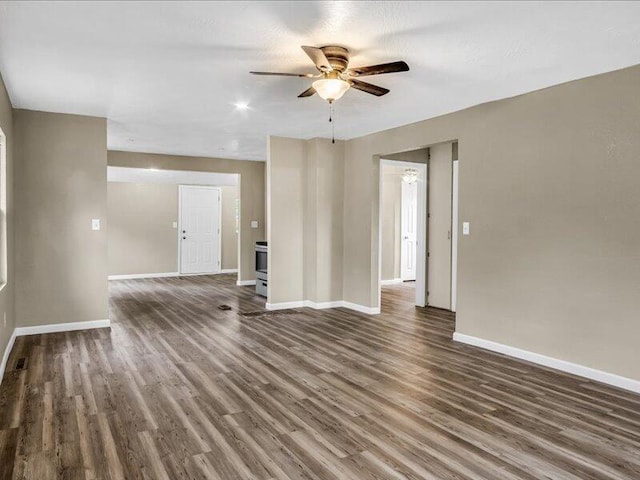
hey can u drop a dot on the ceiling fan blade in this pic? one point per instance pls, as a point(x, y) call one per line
point(319, 58)
point(369, 88)
point(379, 69)
point(308, 92)
point(303, 75)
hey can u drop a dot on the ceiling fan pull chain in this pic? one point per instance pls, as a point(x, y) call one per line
point(333, 124)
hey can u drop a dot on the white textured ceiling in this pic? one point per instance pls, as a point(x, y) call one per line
point(175, 177)
point(167, 74)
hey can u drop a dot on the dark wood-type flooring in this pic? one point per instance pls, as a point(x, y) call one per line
point(178, 389)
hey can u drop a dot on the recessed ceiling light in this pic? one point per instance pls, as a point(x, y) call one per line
point(242, 105)
point(154, 169)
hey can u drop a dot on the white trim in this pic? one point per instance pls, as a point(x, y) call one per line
point(393, 281)
point(229, 270)
point(454, 235)
point(62, 327)
point(421, 236)
point(244, 283)
point(7, 352)
point(562, 365)
point(322, 306)
point(143, 275)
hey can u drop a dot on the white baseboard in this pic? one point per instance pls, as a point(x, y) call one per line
point(361, 308)
point(7, 351)
point(62, 327)
point(143, 275)
point(393, 281)
point(562, 365)
point(322, 306)
point(284, 305)
point(244, 283)
point(134, 276)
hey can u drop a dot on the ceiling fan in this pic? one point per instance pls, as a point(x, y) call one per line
point(335, 78)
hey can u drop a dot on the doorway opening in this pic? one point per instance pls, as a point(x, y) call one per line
point(166, 223)
point(418, 235)
point(402, 225)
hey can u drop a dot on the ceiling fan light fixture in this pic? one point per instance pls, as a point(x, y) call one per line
point(331, 89)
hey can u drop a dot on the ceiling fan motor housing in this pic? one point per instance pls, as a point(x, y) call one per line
point(338, 57)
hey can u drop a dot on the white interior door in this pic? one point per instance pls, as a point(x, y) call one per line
point(199, 229)
point(409, 223)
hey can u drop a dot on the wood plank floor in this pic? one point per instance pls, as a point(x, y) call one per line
point(180, 389)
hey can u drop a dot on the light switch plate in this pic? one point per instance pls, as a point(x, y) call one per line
point(95, 224)
point(465, 228)
point(175, 224)
point(254, 224)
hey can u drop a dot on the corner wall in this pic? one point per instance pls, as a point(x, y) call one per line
point(286, 180)
point(61, 185)
point(323, 222)
point(305, 195)
point(7, 293)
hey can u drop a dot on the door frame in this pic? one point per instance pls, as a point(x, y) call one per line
point(207, 187)
point(454, 234)
point(421, 230)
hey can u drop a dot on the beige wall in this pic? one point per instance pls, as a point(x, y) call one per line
point(7, 293)
point(229, 230)
point(61, 184)
point(286, 180)
point(415, 156)
point(141, 236)
point(390, 215)
point(549, 183)
point(252, 194)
